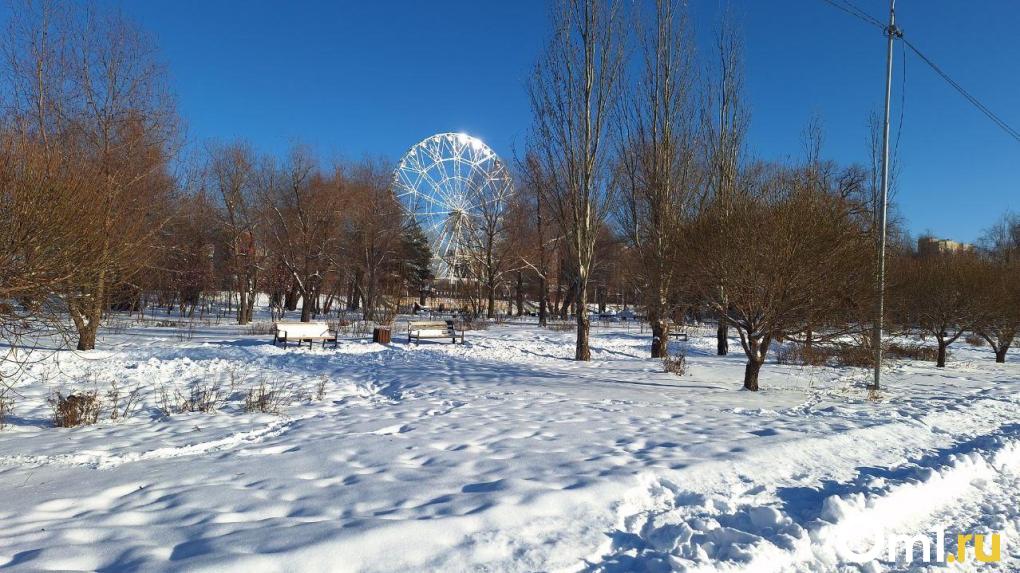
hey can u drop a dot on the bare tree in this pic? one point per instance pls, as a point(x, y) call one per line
point(998, 286)
point(374, 238)
point(91, 80)
point(304, 223)
point(934, 296)
point(539, 236)
point(487, 245)
point(231, 173)
point(726, 119)
point(785, 254)
point(997, 304)
point(573, 93)
point(658, 155)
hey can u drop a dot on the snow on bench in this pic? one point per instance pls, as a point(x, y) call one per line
point(303, 331)
point(418, 330)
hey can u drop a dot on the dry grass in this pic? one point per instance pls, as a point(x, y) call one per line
point(75, 409)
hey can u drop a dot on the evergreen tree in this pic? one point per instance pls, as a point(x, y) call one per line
point(417, 260)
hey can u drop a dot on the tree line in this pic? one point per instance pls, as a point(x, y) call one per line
point(635, 188)
point(636, 131)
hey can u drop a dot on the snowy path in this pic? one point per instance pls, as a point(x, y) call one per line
point(504, 455)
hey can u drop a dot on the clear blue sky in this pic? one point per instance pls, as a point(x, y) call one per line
point(354, 78)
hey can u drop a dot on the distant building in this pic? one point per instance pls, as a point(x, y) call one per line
point(931, 246)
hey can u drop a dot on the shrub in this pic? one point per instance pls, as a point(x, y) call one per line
point(800, 354)
point(854, 354)
point(675, 363)
point(974, 340)
point(912, 352)
point(75, 409)
point(200, 398)
point(320, 389)
point(260, 328)
point(266, 398)
point(849, 354)
point(113, 398)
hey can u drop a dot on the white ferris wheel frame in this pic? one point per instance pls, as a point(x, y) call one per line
point(446, 182)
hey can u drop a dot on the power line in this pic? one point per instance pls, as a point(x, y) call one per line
point(982, 107)
point(849, 8)
point(903, 99)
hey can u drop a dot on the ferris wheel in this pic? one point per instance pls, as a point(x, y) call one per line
point(449, 183)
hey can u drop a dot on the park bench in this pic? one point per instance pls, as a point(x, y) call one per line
point(433, 329)
point(678, 331)
point(303, 332)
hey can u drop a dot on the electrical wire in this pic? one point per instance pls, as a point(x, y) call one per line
point(849, 8)
point(973, 100)
point(903, 99)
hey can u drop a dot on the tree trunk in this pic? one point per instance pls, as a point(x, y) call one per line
point(421, 297)
point(543, 302)
point(490, 308)
point(722, 339)
point(86, 322)
point(242, 307)
point(1000, 355)
point(520, 293)
point(307, 304)
point(583, 350)
point(941, 362)
point(660, 338)
point(722, 334)
point(568, 300)
point(751, 375)
point(87, 336)
point(356, 297)
point(290, 301)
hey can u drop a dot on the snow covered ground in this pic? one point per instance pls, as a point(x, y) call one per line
point(504, 455)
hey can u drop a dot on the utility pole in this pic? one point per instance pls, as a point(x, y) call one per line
point(892, 32)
